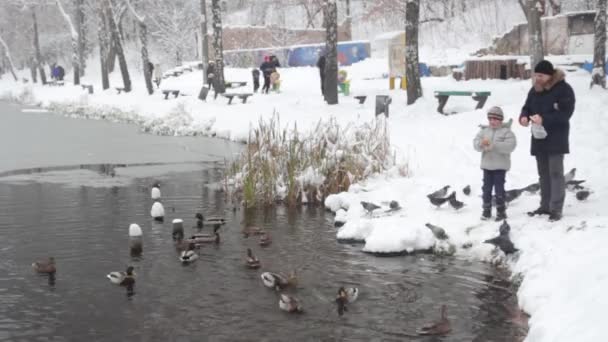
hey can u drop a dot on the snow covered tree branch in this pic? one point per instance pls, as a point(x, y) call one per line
point(74, 34)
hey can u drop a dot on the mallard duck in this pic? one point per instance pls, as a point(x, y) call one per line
point(345, 296)
point(122, 278)
point(289, 304)
point(199, 220)
point(189, 255)
point(265, 240)
point(278, 281)
point(253, 230)
point(155, 193)
point(441, 327)
point(45, 266)
point(216, 220)
point(207, 238)
point(252, 261)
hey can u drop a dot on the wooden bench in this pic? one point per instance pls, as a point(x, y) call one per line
point(177, 73)
point(167, 92)
point(55, 83)
point(120, 90)
point(480, 96)
point(240, 96)
point(361, 99)
point(88, 87)
point(235, 84)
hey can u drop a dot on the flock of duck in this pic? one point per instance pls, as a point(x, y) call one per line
point(188, 253)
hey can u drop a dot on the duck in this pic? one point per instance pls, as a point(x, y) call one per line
point(155, 193)
point(199, 220)
point(251, 261)
point(216, 220)
point(345, 296)
point(189, 255)
point(253, 230)
point(441, 327)
point(278, 281)
point(265, 240)
point(45, 266)
point(207, 238)
point(122, 278)
point(289, 304)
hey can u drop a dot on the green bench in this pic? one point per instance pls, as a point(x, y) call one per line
point(480, 96)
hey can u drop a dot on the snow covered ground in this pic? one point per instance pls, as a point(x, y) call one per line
point(561, 263)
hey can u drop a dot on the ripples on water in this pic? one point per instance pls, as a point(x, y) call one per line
point(85, 228)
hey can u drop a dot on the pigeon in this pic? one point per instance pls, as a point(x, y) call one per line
point(394, 205)
point(456, 204)
point(438, 201)
point(575, 185)
point(467, 190)
point(437, 231)
point(369, 206)
point(510, 195)
point(503, 241)
point(582, 195)
point(439, 193)
point(570, 175)
point(532, 188)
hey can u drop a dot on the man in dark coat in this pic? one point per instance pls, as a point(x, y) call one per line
point(267, 69)
point(321, 65)
point(550, 104)
point(255, 73)
point(60, 73)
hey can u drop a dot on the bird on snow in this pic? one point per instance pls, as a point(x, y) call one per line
point(437, 231)
point(583, 195)
point(454, 203)
point(439, 193)
point(394, 206)
point(570, 175)
point(532, 188)
point(575, 185)
point(467, 190)
point(438, 202)
point(503, 241)
point(510, 196)
point(441, 327)
point(369, 206)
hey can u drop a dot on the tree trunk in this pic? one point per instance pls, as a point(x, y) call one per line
point(412, 67)
point(598, 76)
point(143, 37)
point(32, 65)
point(81, 26)
point(204, 40)
point(103, 46)
point(331, 57)
point(38, 55)
point(219, 84)
point(74, 33)
point(535, 35)
point(115, 37)
point(7, 53)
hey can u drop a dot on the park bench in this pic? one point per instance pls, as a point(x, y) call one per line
point(235, 84)
point(120, 89)
point(167, 92)
point(177, 73)
point(55, 83)
point(480, 96)
point(88, 87)
point(243, 97)
point(361, 98)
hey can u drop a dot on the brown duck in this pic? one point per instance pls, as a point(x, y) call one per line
point(440, 327)
point(45, 266)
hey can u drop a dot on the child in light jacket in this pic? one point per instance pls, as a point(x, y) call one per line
point(495, 141)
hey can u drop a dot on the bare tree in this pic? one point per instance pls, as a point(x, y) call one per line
point(331, 44)
point(143, 38)
point(38, 55)
point(7, 53)
point(102, 35)
point(82, 36)
point(219, 84)
point(598, 76)
point(115, 37)
point(173, 25)
point(412, 67)
point(534, 9)
point(204, 40)
point(74, 34)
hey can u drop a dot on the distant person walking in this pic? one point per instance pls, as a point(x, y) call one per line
point(321, 65)
point(267, 68)
point(255, 73)
point(550, 104)
point(211, 74)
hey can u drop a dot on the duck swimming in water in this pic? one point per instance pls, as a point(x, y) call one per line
point(122, 278)
point(289, 304)
point(45, 266)
point(345, 296)
point(265, 240)
point(251, 261)
point(190, 255)
point(441, 327)
point(278, 281)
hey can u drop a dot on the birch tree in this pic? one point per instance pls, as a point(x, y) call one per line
point(331, 47)
point(81, 26)
point(115, 37)
point(103, 45)
point(598, 76)
point(143, 38)
point(534, 9)
point(204, 40)
point(219, 84)
point(412, 67)
point(74, 34)
point(7, 54)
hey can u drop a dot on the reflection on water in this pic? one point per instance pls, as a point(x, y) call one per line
point(217, 298)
